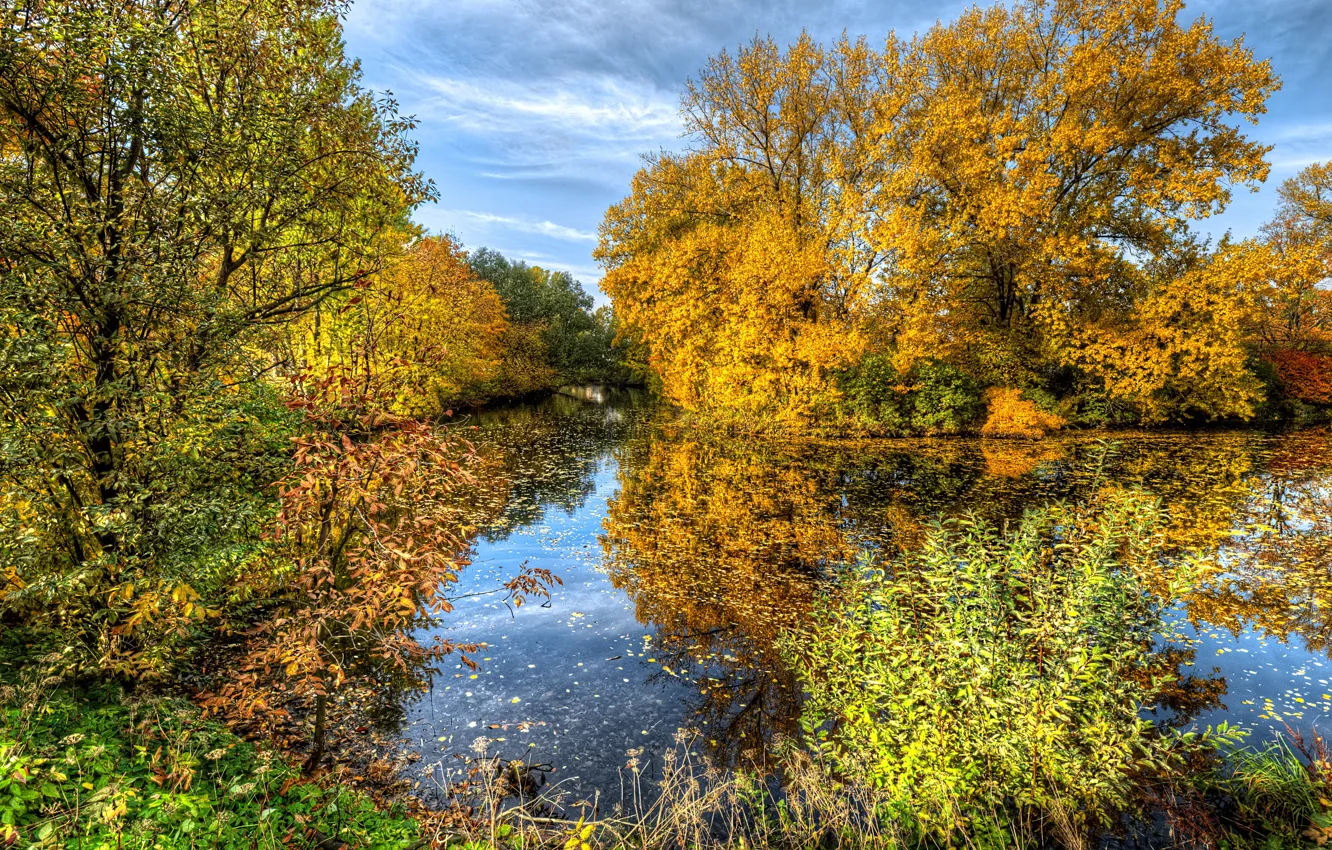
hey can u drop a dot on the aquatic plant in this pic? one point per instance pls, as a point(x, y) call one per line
point(995, 674)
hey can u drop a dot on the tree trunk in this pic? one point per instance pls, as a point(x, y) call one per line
point(320, 730)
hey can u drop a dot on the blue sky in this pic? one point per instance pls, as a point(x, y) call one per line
point(534, 114)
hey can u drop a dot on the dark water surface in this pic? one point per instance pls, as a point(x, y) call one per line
point(684, 554)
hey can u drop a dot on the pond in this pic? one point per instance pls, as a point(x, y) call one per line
point(684, 554)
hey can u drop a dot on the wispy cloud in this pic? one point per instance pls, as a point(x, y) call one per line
point(594, 107)
point(521, 225)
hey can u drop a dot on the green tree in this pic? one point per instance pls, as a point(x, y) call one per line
point(577, 344)
point(178, 178)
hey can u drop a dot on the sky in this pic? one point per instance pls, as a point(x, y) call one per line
point(534, 114)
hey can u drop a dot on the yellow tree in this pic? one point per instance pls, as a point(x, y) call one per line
point(741, 263)
point(1182, 350)
point(1296, 305)
point(427, 326)
point(1044, 147)
point(443, 327)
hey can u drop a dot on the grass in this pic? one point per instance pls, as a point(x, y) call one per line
point(95, 768)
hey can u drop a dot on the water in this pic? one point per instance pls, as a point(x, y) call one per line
point(683, 554)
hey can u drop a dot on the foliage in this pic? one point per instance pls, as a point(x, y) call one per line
point(874, 394)
point(993, 673)
point(932, 397)
point(1294, 300)
point(576, 343)
point(365, 546)
point(1011, 415)
point(426, 326)
point(1182, 353)
point(93, 768)
point(1304, 376)
point(177, 180)
point(986, 195)
point(1027, 180)
point(203, 503)
point(738, 265)
point(946, 400)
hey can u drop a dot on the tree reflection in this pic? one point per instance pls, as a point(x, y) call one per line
point(533, 458)
point(722, 543)
point(1273, 573)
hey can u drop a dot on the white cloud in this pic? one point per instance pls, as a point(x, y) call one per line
point(521, 225)
point(574, 126)
point(598, 106)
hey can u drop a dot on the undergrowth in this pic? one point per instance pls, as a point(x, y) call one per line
point(97, 768)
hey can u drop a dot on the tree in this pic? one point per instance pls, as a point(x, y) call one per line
point(1044, 148)
point(177, 178)
point(741, 264)
point(1295, 304)
point(1182, 352)
point(427, 326)
point(551, 305)
point(980, 195)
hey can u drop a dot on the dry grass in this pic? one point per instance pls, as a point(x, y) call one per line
point(692, 805)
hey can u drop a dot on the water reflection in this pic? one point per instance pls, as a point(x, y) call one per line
point(723, 543)
point(686, 553)
point(720, 545)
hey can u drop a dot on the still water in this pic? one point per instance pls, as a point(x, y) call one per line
point(684, 553)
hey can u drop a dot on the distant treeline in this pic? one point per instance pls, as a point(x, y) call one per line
point(459, 328)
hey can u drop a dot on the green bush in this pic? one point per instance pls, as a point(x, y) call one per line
point(990, 677)
point(190, 512)
point(933, 397)
point(93, 770)
point(944, 399)
point(873, 394)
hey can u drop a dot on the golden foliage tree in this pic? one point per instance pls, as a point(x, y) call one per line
point(741, 264)
point(1181, 351)
point(443, 327)
point(1044, 145)
point(991, 193)
point(1295, 305)
point(427, 325)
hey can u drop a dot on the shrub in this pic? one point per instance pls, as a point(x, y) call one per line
point(874, 394)
point(933, 397)
point(994, 675)
point(1304, 376)
point(93, 769)
point(1011, 415)
point(944, 399)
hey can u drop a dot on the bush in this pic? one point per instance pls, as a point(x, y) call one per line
point(1303, 376)
point(189, 525)
point(933, 397)
point(874, 394)
point(944, 399)
point(989, 677)
point(1011, 415)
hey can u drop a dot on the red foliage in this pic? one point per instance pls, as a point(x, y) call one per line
point(1304, 376)
point(366, 545)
